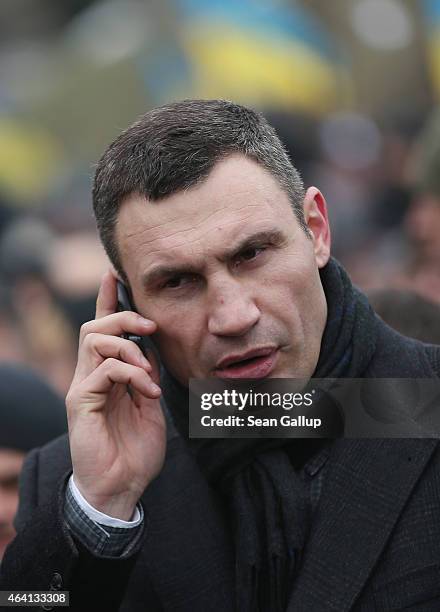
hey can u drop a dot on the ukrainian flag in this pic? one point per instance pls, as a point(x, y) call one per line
point(432, 17)
point(263, 53)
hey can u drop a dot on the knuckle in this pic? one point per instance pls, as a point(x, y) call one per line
point(91, 340)
point(132, 350)
point(70, 400)
point(132, 317)
point(84, 329)
point(110, 363)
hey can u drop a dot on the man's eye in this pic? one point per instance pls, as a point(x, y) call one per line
point(176, 282)
point(172, 283)
point(249, 254)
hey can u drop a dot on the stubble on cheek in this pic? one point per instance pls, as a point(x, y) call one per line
point(303, 309)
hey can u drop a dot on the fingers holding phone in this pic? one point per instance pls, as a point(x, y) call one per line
point(145, 343)
point(116, 425)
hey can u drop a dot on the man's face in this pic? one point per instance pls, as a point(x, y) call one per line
point(422, 224)
point(228, 275)
point(11, 462)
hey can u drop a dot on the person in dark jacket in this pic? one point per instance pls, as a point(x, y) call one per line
point(226, 260)
point(31, 415)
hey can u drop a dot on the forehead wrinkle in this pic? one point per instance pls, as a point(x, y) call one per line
point(183, 260)
point(167, 222)
point(164, 250)
point(164, 253)
point(186, 230)
point(139, 232)
point(208, 216)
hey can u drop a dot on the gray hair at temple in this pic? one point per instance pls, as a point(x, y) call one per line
point(175, 147)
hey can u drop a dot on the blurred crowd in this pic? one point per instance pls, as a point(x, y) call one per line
point(385, 217)
point(384, 206)
point(382, 186)
point(380, 176)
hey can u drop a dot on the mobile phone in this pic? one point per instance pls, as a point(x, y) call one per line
point(145, 343)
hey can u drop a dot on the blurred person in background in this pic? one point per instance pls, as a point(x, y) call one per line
point(381, 260)
point(7, 213)
point(422, 220)
point(409, 313)
point(31, 414)
point(76, 264)
point(51, 281)
point(12, 345)
point(48, 341)
point(402, 249)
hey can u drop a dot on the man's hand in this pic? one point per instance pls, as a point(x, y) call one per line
point(117, 435)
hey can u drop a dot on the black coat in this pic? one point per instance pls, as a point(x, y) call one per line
point(374, 542)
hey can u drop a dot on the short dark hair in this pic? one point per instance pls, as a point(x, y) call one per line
point(174, 147)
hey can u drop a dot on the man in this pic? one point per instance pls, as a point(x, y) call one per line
point(24, 425)
point(408, 312)
point(227, 260)
point(422, 219)
point(11, 462)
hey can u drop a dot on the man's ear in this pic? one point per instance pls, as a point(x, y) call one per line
point(316, 217)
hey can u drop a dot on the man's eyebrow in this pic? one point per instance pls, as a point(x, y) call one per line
point(161, 271)
point(273, 236)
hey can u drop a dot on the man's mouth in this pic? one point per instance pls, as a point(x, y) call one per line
point(257, 363)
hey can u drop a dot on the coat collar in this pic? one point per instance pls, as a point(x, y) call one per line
point(189, 555)
point(367, 485)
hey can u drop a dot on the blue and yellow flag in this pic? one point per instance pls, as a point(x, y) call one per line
point(431, 10)
point(266, 54)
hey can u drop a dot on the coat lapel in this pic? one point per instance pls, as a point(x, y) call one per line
point(366, 488)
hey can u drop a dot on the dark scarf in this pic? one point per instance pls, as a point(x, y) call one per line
point(268, 502)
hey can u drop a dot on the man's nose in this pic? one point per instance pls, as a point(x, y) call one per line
point(233, 311)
